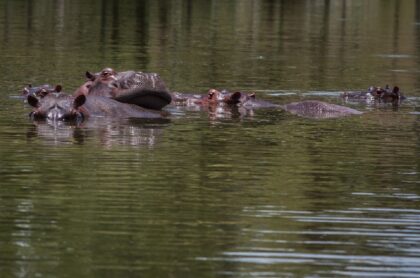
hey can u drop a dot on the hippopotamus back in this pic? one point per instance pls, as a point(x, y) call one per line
point(103, 106)
point(132, 79)
point(143, 89)
point(319, 110)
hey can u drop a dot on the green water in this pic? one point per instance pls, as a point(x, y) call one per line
point(213, 194)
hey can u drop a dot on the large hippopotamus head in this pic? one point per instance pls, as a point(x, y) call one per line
point(57, 107)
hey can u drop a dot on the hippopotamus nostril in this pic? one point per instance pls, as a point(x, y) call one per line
point(55, 114)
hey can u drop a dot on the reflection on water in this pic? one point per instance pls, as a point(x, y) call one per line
point(327, 240)
point(213, 192)
point(108, 132)
point(197, 45)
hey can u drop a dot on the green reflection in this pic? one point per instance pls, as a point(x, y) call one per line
point(202, 196)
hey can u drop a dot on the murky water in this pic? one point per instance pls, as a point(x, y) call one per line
point(213, 193)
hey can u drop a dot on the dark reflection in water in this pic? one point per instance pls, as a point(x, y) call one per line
point(316, 44)
point(108, 132)
point(417, 28)
point(213, 192)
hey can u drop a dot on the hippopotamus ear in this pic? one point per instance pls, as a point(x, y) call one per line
point(90, 76)
point(235, 97)
point(79, 101)
point(58, 88)
point(25, 91)
point(33, 101)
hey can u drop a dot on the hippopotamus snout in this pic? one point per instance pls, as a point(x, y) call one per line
point(56, 114)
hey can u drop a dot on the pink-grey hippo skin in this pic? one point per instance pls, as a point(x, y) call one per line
point(319, 110)
point(215, 98)
point(308, 108)
point(223, 100)
point(376, 94)
point(61, 107)
point(40, 91)
point(143, 89)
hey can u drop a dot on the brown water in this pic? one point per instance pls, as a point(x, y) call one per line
point(265, 194)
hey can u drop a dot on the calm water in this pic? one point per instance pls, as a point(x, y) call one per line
point(213, 194)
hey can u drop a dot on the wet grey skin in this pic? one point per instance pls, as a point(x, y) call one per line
point(61, 107)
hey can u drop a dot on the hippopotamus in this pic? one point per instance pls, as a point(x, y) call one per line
point(143, 89)
point(40, 91)
point(63, 107)
point(375, 93)
point(224, 99)
point(213, 97)
point(319, 110)
point(308, 108)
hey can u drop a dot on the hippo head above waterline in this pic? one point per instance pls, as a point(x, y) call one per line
point(57, 107)
point(146, 90)
point(379, 94)
point(40, 91)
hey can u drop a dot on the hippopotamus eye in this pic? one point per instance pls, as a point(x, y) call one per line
point(42, 93)
point(106, 73)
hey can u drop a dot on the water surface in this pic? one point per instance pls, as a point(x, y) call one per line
point(213, 193)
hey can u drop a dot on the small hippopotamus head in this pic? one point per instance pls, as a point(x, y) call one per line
point(108, 75)
point(390, 96)
point(215, 96)
point(40, 91)
point(57, 107)
point(98, 83)
point(386, 94)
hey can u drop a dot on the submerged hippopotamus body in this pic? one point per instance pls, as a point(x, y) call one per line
point(319, 109)
point(375, 94)
point(62, 107)
point(220, 98)
point(248, 101)
point(309, 108)
point(143, 89)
